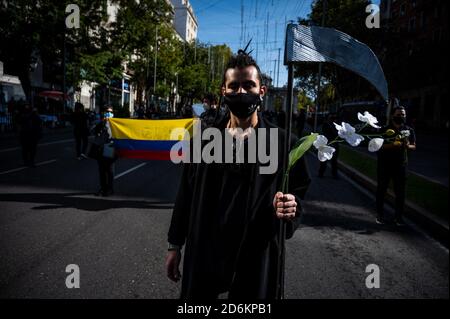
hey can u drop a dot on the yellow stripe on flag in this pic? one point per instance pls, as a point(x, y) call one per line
point(148, 130)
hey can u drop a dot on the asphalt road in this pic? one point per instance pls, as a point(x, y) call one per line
point(50, 219)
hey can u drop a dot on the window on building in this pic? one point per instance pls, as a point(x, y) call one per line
point(394, 15)
point(126, 100)
point(410, 48)
point(402, 10)
point(422, 20)
point(412, 24)
point(437, 36)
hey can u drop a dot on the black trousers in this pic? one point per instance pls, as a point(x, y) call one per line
point(333, 162)
point(29, 146)
point(81, 142)
point(106, 174)
point(396, 173)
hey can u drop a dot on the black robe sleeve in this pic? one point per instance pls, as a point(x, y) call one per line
point(181, 212)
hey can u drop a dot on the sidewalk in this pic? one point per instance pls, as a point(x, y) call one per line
point(431, 157)
point(435, 225)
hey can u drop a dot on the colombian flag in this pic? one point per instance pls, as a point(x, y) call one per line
point(148, 139)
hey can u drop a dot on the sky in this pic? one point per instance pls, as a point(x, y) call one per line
point(220, 23)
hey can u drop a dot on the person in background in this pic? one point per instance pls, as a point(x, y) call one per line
point(103, 136)
point(188, 113)
point(392, 164)
point(80, 122)
point(140, 112)
point(30, 131)
point(330, 132)
point(208, 117)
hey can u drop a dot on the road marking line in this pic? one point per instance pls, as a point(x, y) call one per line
point(429, 178)
point(129, 171)
point(43, 144)
point(46, 162)
point(25, 167)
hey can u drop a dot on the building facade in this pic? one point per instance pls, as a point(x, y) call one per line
point(415, 36)
point(120, 94)
point(185, 21)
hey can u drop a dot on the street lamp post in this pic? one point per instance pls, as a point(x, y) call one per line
point(319, 75)
point(64, 73)
point(176, 92)
point(156, 58)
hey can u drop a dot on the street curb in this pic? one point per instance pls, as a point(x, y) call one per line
point(435, 225)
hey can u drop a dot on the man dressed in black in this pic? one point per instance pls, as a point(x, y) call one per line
point(210, 114)
point(392, 164)
point(80, 130)
point(30, 128)
point(227, 215)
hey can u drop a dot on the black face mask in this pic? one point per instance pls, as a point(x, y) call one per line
point(399, 120)
point(242, 105)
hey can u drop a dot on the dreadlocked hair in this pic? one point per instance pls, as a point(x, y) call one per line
point(242, 60)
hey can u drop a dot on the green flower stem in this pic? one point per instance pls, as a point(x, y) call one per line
point(335, 141)
point(285, 182)
point(362, 128)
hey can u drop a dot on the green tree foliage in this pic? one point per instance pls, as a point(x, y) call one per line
point(102, 49)
point(36, 29)
point(304, 101)
point(203, 68)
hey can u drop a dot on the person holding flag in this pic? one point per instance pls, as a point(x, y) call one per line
point(102, 137)
point(227, 216)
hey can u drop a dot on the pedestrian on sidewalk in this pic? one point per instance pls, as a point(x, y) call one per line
point(330, 132)
point(392, 165)
point(30, 132)
point(227, 215)
point(80, 122)
point(102, 138)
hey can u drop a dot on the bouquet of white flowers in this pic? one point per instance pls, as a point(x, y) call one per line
point(346, 133)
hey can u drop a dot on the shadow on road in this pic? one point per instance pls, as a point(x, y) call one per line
point(343, 222)
point(359, 224)
point(73, 200)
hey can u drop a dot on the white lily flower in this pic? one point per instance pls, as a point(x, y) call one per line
point(369, 119)
point(405, 133)
point(375, 144)
point(347, 132)
point(325, 152)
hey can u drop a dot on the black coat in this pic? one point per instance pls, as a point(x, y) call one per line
point(226, 218)
point(80, 121)
point(30, 125)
